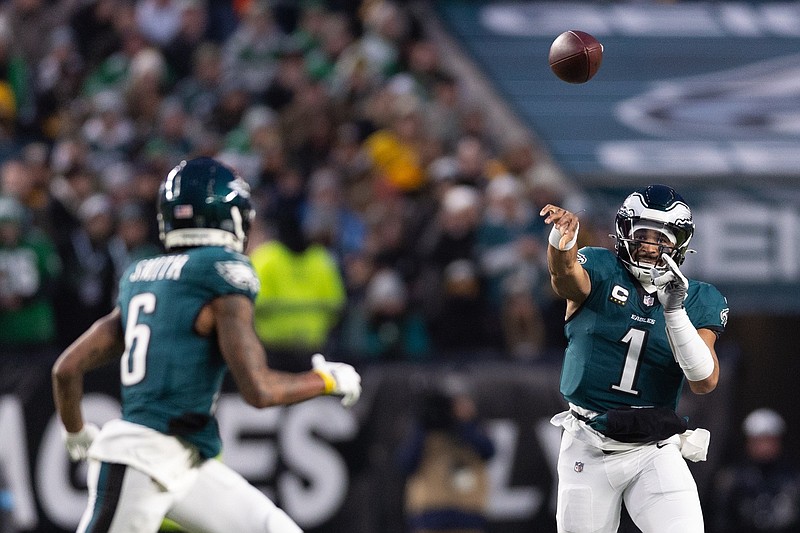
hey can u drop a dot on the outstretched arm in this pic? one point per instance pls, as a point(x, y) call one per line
point(260, 386)
point(99, 345)
point(567, 276)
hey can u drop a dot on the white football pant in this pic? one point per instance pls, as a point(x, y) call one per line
point(655, 484)
point(218, 500)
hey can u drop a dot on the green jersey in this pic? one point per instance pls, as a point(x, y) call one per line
point(618, 353)
point(170, 375)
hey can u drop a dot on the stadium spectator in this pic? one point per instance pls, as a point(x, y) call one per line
point(29, 269)
point(198, 90)
point(109, 132)
point(451, 285)
point(192, 33)
point(328, 220)
point(86, 288)
point(19, 179)
point(247, 147)
point(95, 30)
point(761, 490)
point(398, 150)
point(112, 73)
point(171, 136)
point(72, 183)
point(130, 240)
point(444, 110)
point(334, 36)
point(381, 324)
point(31, 21)
point(445, 460)
point(250, 54)
point(512, 255)
point(510, 238)
point(17, 110)
point(302, 292)
point(159, 21)
point(56, 81)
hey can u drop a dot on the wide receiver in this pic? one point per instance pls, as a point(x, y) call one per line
point(183, 318)
point(637, 329)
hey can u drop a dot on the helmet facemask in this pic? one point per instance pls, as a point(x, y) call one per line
point(657, 208)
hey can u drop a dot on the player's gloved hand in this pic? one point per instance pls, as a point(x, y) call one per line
point(78, 443)
point(340, 379)
point(671, 285)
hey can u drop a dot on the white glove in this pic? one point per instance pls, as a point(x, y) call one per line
point(340, 379)
point(78, 443)
point(671, 285)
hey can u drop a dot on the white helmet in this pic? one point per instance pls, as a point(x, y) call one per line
point(659, 208)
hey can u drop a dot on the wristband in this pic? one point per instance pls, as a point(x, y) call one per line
point(690, 350)
point(555, 238)
point(330, 382)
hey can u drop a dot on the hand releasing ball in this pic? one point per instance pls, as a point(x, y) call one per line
point(575, 56)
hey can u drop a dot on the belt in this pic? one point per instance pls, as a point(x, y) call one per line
point(586, 419)
point(579, 416)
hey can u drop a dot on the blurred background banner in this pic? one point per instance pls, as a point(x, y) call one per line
point(335, 469)
point(687, 90)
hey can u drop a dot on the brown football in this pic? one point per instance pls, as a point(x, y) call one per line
point(575, 56)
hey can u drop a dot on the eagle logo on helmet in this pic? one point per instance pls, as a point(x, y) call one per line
point(240, 187)
point(625, 211)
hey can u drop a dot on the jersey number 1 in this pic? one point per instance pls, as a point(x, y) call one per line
point(636, 339)
point(137, 339)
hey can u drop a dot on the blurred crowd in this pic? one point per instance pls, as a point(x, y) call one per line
point(393, 223)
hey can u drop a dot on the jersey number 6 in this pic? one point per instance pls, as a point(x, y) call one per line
point(137, 339)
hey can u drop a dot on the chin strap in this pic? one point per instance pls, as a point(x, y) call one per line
point(689, 348)
point(643, 278)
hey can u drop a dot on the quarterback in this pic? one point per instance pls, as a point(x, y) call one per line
point(637, 330)
point(182, 320)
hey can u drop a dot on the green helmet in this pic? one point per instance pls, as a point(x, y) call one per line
point(204, 203)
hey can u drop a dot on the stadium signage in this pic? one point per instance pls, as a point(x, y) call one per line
point(290, 453)
point(698, 19)
point(311, 487)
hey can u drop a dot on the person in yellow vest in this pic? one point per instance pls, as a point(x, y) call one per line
point(302, 294)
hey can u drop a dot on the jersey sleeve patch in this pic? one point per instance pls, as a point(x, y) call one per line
point(707, 307)
point(239, 275)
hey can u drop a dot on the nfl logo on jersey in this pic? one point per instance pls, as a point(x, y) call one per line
point(578, 466)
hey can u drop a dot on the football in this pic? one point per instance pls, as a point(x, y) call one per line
point(575, 56)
